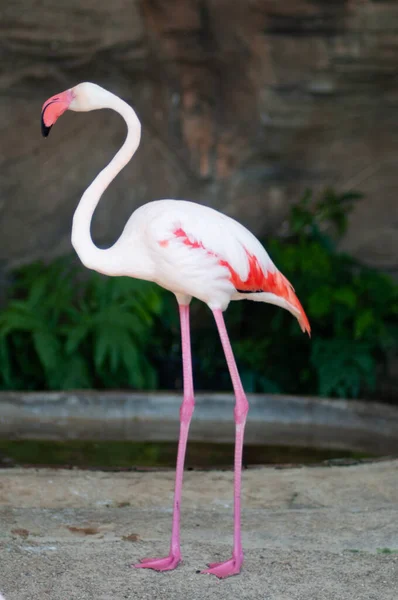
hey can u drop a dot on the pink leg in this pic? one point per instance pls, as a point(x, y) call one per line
point(174, 558)
point(233, 565)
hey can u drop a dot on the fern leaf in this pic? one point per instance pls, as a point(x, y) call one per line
point(48, 349)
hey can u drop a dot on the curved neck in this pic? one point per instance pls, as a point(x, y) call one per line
point(91, 256)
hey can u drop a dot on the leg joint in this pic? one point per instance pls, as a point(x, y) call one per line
point(240, 412)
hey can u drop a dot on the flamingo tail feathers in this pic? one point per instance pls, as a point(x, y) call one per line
point(271, 286)
point(289, 295)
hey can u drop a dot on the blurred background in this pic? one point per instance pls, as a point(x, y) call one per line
point(280, 114)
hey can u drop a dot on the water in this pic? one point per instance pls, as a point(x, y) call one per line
point(121, 454)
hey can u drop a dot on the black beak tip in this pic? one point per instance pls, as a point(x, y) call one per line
point(44, 129)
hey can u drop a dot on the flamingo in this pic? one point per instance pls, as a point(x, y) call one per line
point(192, 251)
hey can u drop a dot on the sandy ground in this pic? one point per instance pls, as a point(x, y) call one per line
point(320, 533)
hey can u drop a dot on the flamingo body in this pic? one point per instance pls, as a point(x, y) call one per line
point(196, 251)
point(193, 251)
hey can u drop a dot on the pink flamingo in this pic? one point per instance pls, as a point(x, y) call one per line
point(193, 251)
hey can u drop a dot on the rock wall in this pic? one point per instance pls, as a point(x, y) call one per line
point(244, 105)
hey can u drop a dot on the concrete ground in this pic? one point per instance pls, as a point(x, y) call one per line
point(320, 533)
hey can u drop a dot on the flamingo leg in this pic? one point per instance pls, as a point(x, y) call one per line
point(187, 407)
point(233, 565)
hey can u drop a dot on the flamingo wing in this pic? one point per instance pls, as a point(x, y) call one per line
point(208, 255)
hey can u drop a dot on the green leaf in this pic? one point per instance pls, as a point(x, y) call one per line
point(319, 302)
point(47, 348)
point(76, 334)
point(364, 321)
point(343, 367)
point(74, 374)
point(346, 296)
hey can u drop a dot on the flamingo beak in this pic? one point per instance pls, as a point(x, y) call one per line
point(52, 109)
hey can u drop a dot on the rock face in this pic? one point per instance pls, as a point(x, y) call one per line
point(244, 105)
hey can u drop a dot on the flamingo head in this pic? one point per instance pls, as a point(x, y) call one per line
point(53, 108)
point(81, 98)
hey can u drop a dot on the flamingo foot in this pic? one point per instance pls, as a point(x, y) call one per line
point(225, 569)
point(168, 563)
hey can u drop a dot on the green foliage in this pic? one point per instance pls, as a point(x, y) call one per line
point(62, 331)
point(64, 327)
point(343, 367)
point(353, 309)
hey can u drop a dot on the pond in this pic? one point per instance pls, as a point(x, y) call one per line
point(124, 430)
point(117, 455)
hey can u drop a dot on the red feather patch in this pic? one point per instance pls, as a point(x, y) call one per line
point(257, 281)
